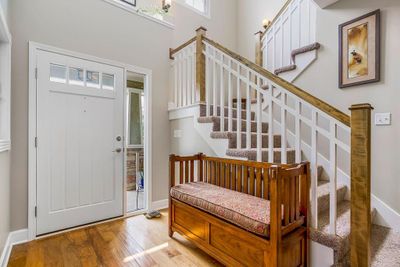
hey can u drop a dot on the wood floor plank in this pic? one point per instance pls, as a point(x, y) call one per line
point(134, 241)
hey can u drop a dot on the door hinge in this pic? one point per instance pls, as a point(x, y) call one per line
point(36, 142)
point(35, 211)
point(36, 73)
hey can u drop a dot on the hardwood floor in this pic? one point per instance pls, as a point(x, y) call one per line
point(131, 242)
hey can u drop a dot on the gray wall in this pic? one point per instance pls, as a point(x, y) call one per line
point(4, 177)
point(100, 29)
point(321, 80)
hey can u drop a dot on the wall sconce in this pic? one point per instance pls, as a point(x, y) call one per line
point(266, 23)
point(166, 5)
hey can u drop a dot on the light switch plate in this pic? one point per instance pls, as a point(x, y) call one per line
point(383, 119)
point(178, 133)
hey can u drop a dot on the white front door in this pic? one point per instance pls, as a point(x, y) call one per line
point(79, 145)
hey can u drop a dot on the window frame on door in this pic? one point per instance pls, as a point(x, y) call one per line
point(140, 92)
point(5, 84)
point(207, 7)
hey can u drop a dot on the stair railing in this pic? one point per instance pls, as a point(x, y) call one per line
point(306, 125)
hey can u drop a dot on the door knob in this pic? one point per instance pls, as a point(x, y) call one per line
point(119, 138)
point(118, 150)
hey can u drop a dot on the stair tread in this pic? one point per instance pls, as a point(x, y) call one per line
point(324, 188)
point(226, 135)
point(385, 247)
point(211, 119)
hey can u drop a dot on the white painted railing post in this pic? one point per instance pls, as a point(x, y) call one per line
point(230, 115)
point(332, 179)
point(222, 96)
point(239, 110)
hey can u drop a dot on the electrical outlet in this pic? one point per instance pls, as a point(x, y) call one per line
point(382, 119)
point(178, 133)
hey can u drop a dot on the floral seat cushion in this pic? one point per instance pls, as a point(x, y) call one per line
point(248, 212)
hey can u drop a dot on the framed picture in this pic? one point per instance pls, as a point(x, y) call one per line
point(359, 50)
point(130, 2)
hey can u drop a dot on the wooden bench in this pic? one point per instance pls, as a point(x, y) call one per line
point(283, 189)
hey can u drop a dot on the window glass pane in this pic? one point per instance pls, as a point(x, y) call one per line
point(58, 73)
point(92, 79)
point(199, 5)
point(108, 81)
point(76, 76)
point(136, 119)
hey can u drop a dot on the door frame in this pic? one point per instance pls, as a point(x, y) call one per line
point(32, 125)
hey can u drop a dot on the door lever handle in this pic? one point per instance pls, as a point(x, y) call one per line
point(118, 150)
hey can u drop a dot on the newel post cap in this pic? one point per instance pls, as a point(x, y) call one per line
point(361, 106)
point(201, 28)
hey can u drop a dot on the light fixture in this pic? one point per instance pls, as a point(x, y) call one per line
point(266, 23)
point(166, 5)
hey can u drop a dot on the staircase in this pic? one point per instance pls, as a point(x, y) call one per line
point(288, 45)
point(280, 123)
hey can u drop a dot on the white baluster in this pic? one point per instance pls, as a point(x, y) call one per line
point(230, 115)
point(187, 84)
point(175, 82)
point(208, 74)
point(298, 131)
point(314, 171)
point(214, 83)
point(259, 122)
point(193, 67)
point(271, 124)
point(222, 96)
point(239, 111)
point(248, 111)
point(283, 129)
point(332, 179)
point(180, 80)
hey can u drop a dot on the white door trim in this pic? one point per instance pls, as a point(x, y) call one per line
point(32, 121)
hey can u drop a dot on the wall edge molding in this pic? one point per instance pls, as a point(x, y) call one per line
point(14, 238)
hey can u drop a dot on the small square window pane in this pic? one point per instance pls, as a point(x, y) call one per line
point(92, 79)
point(108, 81)
point(76, 76)
point(58, 73)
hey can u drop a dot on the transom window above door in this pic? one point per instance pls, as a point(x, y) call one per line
point(82, 77)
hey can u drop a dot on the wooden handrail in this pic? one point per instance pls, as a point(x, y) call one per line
point(318, 103)
point(172, 52)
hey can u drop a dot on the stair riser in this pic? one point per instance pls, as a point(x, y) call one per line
point(203, 112)
point(265, 141)
point(253, 127)
point(323, 201)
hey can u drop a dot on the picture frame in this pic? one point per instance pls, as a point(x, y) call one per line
point(359, 50)
point(130, 2)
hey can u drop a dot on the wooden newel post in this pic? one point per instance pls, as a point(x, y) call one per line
point(200, 64)
point(259, 53)
point(360, 236)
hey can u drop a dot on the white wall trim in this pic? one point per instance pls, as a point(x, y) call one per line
point(160, 205)
point(14, 238)
point(385, 216)
point(148, 133)
point(5, 83)
point(136, 11)
point(33, 48)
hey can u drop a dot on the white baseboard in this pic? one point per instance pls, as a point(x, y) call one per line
point(321, 255)
point(385, 216)
point(159, 205)
point(14, 238)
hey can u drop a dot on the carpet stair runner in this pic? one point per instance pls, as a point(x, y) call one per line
point(385, 242)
